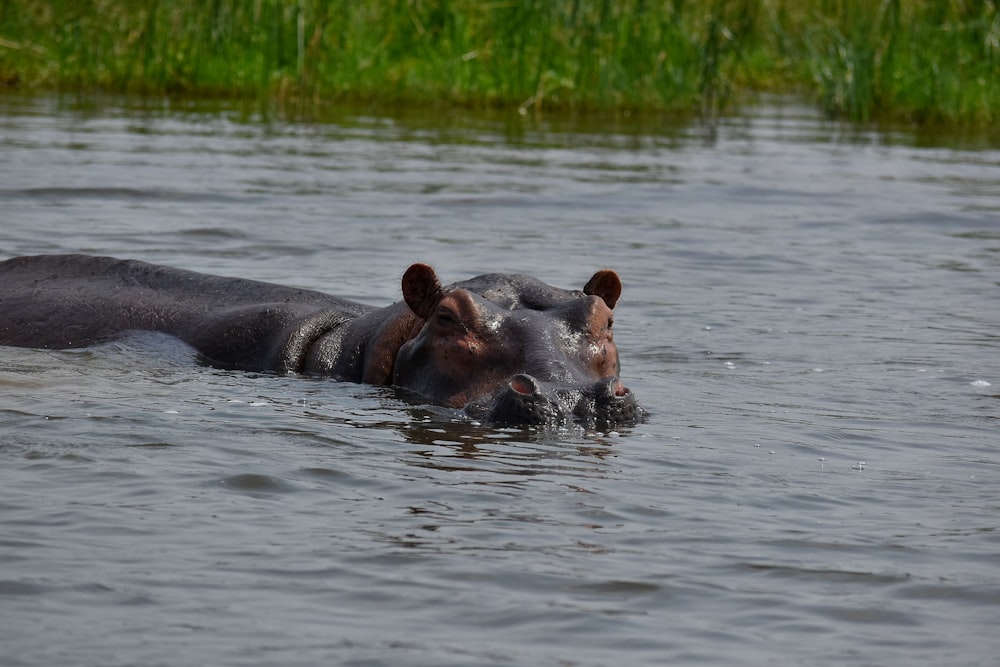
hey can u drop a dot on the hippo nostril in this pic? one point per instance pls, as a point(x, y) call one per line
point(524, 385)
point(611, 388)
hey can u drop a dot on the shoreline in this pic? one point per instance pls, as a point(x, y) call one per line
point(925, 63)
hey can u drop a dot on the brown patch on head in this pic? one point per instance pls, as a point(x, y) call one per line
point(601, 354)
point(457, 355)
point(400, 326)
point(456, 313)
point(605, 284)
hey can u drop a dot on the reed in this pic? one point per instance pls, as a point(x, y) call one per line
point(935, 60)
point(924, 60)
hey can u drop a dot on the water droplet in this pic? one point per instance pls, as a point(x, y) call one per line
point(980, 383)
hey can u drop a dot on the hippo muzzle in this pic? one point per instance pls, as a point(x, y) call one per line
point(526, 401)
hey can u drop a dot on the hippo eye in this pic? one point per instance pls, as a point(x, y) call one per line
point(448, 318)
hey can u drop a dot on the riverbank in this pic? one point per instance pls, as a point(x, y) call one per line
point(927, 62)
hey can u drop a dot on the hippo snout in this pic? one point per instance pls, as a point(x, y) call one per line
point(608, 403)
point(525, 400)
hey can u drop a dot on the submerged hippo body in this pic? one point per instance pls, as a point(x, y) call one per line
point(506, 348)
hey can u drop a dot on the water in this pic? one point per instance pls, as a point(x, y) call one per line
point(810, 314)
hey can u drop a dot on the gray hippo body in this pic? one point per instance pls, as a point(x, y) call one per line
point(507, 348)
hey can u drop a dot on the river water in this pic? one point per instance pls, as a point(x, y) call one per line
point(810, 315)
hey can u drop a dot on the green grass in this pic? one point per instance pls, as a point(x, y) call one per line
point(927, 61)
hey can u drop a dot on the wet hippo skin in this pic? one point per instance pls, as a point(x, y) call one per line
point(509, 349)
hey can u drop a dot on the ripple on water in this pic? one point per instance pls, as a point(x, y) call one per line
point(257, 483)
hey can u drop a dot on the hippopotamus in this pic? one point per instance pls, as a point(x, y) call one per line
point(508, 349)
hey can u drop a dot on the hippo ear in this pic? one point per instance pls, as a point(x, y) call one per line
point(605, 284)
point(421, 290)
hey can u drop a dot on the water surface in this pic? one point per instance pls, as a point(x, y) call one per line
point(810, 315)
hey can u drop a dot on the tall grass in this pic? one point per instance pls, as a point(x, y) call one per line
point(937, 60)
point(927, 60)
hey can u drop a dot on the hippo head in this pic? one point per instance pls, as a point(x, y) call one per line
point(512, 350)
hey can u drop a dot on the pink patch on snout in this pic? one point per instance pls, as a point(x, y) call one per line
point(620, 389)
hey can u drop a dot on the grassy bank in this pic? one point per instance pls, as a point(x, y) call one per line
point(922, 60)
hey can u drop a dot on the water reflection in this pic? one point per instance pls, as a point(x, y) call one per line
point(451, 442)
point(624, 130)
